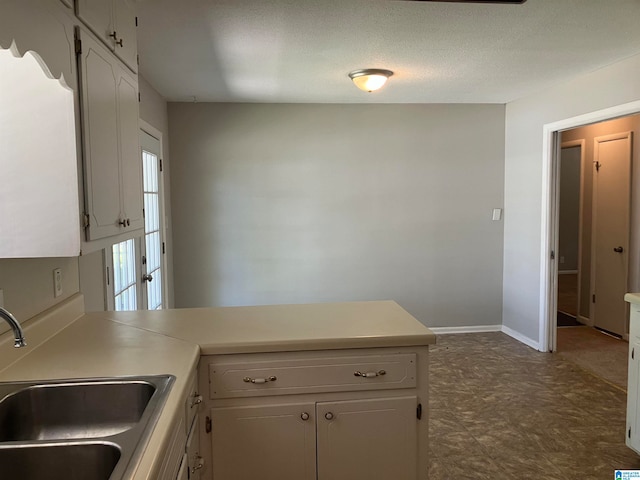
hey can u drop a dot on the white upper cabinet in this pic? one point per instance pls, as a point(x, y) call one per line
point(113, 167)
point(114, 22)
point(39, 206)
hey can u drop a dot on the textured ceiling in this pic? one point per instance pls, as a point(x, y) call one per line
point(289, 51)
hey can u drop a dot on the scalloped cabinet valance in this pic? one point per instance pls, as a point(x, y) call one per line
point(39, 204)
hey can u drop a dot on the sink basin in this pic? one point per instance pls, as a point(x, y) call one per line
point(90, 429)
point(73, 410)
point(88, 461)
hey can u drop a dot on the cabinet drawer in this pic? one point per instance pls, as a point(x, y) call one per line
point(229, 379)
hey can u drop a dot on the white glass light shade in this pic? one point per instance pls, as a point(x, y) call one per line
point(370, 79)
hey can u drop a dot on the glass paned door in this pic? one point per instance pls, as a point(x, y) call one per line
point(153, 261)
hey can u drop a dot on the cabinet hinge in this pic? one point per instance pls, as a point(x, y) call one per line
point(78, 46)
point(85, 220)
point(163, 252)
point(553, 255)
point(593, 298)
point(136, 21)
point(633, 350)
point(144, 260)
point(139, 97)
point(419, 411)
point(629, 433)
point(160, 164)
point(143, 213)
point(207, 425)
point(108, 276)
point(138, 60)
point(598, 165)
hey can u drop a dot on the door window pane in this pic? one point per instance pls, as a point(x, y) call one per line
point(124, 276)
point(153, 238)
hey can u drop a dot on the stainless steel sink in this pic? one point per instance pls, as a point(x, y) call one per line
point(89, 429)
point(83, 461)
point(73, 410)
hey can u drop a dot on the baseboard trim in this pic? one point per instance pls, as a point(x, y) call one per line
point(585, 320)
point(468, 329)
point(521, 338)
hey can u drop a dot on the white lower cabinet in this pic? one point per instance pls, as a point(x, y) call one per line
point(633, 381)
point(372, 439)
point(181, 458)
point(342, 415)
point(270, 442)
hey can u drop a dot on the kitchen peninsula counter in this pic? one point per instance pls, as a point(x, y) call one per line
point(67, 343)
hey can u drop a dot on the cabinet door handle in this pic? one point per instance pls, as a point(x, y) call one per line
point(196, 400)
point(272, 378)
point(147, 277)
point(304, 416)
point(123, 222)
point(113, 35)
point(199, 464)
point(119, 42)
point(379, 373)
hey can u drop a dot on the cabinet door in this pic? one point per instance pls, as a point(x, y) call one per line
point(97, 15)
point(129, 150)
point(275, 442)
point(633, 395)
point(367, 439)
point(99, 82)
point(126, 46)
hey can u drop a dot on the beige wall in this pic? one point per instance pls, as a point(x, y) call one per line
point(614, 85)
point(317, 203)
point(589, 133)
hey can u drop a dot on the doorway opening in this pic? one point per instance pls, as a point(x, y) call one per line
point(594, 173)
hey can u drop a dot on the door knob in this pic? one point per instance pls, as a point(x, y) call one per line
point(147, 277)
point(618, 249)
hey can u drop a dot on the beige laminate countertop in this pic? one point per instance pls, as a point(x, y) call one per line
point(67, 344)
point(279, 328)
point(632, 298)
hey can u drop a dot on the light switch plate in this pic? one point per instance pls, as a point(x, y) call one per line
point(57, 282)
point(497, 214)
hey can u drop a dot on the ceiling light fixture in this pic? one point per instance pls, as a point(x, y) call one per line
point(370, 79)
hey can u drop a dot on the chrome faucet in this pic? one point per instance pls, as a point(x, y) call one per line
point(15, 326)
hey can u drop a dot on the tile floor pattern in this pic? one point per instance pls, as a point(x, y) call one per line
point(500, 410)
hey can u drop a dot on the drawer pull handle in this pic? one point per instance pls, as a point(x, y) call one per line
point(272, 378)
point(199, 464)
point(379, 373)
point(197, 400)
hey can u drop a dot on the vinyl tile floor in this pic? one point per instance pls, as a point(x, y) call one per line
point(500, 410)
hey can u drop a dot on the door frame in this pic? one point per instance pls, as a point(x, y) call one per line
point(547, 321)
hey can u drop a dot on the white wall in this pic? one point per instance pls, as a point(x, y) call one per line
point(317, 203)
point(614, 85)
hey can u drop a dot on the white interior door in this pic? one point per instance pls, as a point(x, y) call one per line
point(611, 216)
